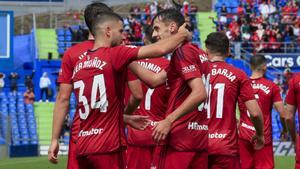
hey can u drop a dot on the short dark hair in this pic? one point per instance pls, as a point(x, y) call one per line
point(257, 61)
point(170, 15)
point(92, 10)
point(217, 42)
point(148, 34)
point(103, 17)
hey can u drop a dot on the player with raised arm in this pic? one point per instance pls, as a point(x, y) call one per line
point(293, 103)
point(142, 151)
point(268, 95)
point(98, 80)
point(71, 56)
point(226, 84)
point(185, 127)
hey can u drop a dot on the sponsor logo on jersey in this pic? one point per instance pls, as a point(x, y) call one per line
point(216, 135)
point(90, 132)
point(188, 69)
point(229, 75)
point(248, 126)
point(196, 126)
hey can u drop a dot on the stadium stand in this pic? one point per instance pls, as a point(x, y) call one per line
point(47, 43)
point(43, 115)
point(22, 121)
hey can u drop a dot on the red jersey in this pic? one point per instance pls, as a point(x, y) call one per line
point(70, 58)
point(267, 93)
point(293, 93)
point(99, 81)
point(189, 133)
point(153, 104)
point(225, 80)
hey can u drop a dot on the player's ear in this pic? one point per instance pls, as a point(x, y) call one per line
point(108, 31)
point(173, 27)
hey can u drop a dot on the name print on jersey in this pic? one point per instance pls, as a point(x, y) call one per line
point(229, 75)
point(261, 87)
point(93, 63)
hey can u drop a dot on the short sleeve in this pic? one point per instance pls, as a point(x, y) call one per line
point(186, 63)
point(290, 97)
point(66, 70)
point(246, 90)
point(276, 94)
point(123, 55)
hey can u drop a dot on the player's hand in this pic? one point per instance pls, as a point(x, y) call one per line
point(161, 130)
point(53, 151)
point(259, 142)
point(183, 29)
point(137, 121)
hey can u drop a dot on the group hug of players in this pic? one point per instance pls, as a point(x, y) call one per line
point(179, 113)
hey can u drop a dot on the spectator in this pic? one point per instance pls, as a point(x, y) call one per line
point(13, 81)
point(2, 83)
point(186, 8)
point(29, 96)
point(28, 80)
point(278, 80)
point(264, 9)
point(44, 86)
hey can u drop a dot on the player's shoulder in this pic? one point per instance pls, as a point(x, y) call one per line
point(296, 77)
point(83, 46)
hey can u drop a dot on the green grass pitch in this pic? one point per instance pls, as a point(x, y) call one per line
point(42, 163)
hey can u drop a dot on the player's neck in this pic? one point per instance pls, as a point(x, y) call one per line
point(256, 75)
point(101, 44)
point(216, 58)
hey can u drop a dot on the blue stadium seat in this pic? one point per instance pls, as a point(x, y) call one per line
point(61, 50)
point(60, 32)
point(61, 38)
point(68, 38)
point(68, 32)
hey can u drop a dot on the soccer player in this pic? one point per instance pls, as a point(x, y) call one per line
point(293, 103)
point(268, 95)
point(142, 151)
point(185, 126)
point(71, 56)
point(226, 84)
point(98, 80)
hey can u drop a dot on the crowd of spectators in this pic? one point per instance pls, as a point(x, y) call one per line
point(262, 26)
point(137, 18)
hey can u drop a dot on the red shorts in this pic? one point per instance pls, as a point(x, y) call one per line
point(173, 159)
point(258, 159)
point(115, 160)
point(72, 160)
point(223, 162)
point(143, 157)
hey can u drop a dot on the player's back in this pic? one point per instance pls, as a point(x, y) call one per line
point(153, 104)
point(187, 62)
point(226, 84)
point(99, 82)
point(293, 94)
point(70, 58)
point(267, 93)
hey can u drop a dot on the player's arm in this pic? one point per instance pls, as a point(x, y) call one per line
point(258, 122)
point(290, 121)
point(280, 109)
point(59, 113)
point(135, 97)
point(150, 78)
point(164, 46)
point(195, 98)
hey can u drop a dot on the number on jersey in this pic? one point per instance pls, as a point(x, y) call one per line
point(98, 86)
